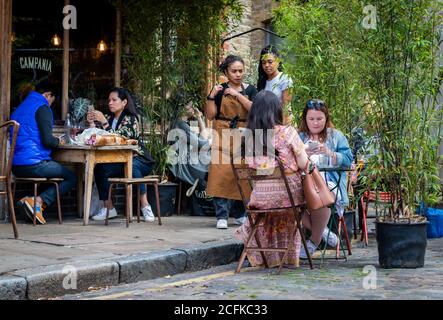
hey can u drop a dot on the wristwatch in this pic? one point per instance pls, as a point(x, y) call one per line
point(210, 98)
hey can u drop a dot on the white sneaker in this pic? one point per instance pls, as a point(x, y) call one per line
point(222, 224)
point(148, 214)
point(332, 239)
point(101, 215)
point(311, 248)
point(240, 221)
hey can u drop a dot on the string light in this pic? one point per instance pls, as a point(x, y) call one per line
point(102, 46)
point(56, 41)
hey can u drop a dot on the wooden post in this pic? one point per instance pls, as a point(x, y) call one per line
point(5, 75)
point(65, 92)
point(118, 45)
point(5, 58)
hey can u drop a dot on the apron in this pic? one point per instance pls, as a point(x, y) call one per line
point(221, 180)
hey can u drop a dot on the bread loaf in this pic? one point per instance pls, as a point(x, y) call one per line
point(109, 140)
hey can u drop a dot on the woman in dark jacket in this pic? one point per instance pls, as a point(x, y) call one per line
point(122, 120)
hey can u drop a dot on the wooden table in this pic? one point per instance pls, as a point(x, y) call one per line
point(90, 156)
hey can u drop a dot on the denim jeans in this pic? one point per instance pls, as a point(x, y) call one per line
point(225, 206)
point(103, 171)
point(48, 169)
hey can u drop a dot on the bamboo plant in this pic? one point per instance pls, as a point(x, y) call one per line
point(385, 79)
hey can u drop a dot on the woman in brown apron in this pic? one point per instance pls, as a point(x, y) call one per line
point(228, 106)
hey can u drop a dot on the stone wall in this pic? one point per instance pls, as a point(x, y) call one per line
point(256, 14)
point(241, 46)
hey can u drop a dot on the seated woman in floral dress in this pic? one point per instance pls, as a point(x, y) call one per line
point(276, 230)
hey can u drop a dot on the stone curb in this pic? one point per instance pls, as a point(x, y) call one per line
point(58, 280)
point(12, 288)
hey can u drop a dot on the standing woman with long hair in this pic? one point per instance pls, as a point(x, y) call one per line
point(123, 120)
point(227, 105)
point(271, 78)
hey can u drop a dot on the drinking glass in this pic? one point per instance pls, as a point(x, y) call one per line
point(323, 160)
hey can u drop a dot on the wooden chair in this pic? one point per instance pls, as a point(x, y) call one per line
point(243, 173)
point(148, 180)
point(5, 167)
point(36, 182)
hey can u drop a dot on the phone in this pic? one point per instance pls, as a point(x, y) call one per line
point(313, 144)
point(64, 139)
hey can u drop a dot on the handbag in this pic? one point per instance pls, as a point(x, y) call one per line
point(317, 193)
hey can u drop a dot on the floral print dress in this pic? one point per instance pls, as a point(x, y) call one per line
point(276, 230)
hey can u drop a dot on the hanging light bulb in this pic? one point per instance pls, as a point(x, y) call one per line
point(102, 46)
point(56, 41)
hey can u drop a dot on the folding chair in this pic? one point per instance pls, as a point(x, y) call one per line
point(243, 173)
point(377, 197)
point(6, 164)
point(340, 224)
point(148, 180)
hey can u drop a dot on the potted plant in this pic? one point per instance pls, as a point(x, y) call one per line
point(404, 83)
point(377, 67)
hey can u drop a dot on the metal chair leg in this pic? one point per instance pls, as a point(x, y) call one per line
point(345, 230)
point(364, 230)
point(354, 223)
point(157, 201)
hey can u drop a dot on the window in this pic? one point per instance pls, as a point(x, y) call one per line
point(270, 38)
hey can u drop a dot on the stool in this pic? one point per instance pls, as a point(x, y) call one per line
point(148, 180)
point(36, 182)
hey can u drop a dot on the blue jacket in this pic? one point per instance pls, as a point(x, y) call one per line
point(337, 142)
point(29, 149)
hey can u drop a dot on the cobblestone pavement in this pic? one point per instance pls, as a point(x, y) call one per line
point(357, 278)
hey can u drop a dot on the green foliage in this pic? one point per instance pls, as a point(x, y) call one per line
point(405, 79)
point(79, 108)
point(385, 79)
point(321, 55)
point(169, 43)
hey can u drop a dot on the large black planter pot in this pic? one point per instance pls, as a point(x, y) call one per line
point(167, 193)
point(401, 245)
